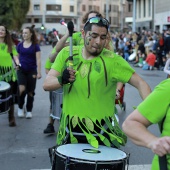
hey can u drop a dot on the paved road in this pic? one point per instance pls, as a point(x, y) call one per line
point(25, 147)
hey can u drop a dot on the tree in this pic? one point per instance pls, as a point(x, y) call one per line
point(13, 13)
point(5, 12)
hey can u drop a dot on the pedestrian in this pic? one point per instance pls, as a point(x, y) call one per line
point(167, 42)
point(167, 66)
point(7, 70)
point(89, 88)
point(153, 110)
point(150, 61)
point(30, 70)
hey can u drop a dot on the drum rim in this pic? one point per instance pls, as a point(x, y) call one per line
point(78, 160)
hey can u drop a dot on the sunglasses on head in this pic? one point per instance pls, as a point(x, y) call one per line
point(95, 20)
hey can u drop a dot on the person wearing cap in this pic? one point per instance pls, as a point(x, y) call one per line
point(89, 88)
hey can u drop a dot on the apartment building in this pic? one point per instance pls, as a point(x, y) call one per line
point(152, 15)
point(49, 13)
point(162, 15)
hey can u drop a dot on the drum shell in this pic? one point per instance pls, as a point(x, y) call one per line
point(80, 164)
point(5, 96)
point(57, 101)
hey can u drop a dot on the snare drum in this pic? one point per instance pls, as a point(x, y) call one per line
point(57, 100)
point(5, 96)
point(85, 157)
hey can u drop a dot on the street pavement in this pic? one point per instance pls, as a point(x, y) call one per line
point(25, 147)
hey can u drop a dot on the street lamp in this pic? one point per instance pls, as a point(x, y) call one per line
point(42, 26)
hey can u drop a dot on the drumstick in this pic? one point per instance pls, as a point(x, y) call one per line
point(63, 23)
point(56, 34)
point(70, 27)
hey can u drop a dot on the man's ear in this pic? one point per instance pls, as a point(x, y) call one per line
point(82, 33)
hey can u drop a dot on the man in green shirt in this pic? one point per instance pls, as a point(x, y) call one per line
point(63, 42)
point(89, 88)
point(153, 110)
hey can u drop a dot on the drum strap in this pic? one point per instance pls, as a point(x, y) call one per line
point(52, 156)
point(163, 159)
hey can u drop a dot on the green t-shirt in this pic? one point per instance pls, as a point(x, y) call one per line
point(91, 97)
point(48, 64)
point(155, 112)
point(77, 39)
point(7, 71)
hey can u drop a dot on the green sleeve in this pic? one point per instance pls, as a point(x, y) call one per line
point(121, 70)
point(59, 62)
point(155, 106)
point(48, 64)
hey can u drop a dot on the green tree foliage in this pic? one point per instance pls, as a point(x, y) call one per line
point(13, 13)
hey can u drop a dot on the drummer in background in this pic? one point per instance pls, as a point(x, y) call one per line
point(7, 70)
point(50, 127)
point(89, 88)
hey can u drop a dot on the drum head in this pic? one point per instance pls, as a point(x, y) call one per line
point(87, 152)
point(4, 86)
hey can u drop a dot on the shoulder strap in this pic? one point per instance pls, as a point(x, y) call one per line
point(162, 160)
point(12, 56)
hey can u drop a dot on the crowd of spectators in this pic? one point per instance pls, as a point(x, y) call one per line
point(147, 49)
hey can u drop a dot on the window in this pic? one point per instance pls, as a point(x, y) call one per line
point(90, 7)
point(38, 20)
point(115, 20)
point(110, 20)
point(115, 8)
point(83, 7)
point(36, 7)
point(53, 20)
point(54, 7)
point(28, 20)
point(71, 8)
point(130, 8)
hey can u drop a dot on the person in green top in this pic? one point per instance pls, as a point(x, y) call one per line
point(63, 42)
point(89, 88)
point(7, 69)
point(155, 109)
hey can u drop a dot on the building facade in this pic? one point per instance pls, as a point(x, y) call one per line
point(152, 15)
point(162, 15)
point(49, 13)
